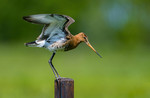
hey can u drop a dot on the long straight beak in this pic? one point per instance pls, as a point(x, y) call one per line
point(93, 49)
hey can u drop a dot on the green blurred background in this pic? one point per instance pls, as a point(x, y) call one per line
point(118, 29)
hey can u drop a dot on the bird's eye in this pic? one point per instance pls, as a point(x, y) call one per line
point(85, 38)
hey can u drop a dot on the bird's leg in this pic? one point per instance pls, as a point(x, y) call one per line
point(52, 66)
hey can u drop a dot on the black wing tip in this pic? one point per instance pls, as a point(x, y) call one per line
point(29, 43)
point(26, 44)
point(69, 18)
point(27, 18)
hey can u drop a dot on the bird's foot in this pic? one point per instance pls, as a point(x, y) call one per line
point(57, 78)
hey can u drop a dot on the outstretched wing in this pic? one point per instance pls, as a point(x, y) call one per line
point(54, 24)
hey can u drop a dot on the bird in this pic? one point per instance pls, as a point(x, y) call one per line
point(55, 35)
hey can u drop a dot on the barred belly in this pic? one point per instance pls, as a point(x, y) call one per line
point(57, 46)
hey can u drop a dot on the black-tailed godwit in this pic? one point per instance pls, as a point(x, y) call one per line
point(55, 35)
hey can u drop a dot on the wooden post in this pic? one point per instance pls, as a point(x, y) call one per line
point(64, 88)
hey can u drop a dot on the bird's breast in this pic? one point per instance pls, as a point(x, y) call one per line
point(56, 46)
point(71, 44)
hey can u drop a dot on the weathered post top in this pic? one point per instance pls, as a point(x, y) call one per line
point(64, 88)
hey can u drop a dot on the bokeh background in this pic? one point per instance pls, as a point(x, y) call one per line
point(118, 29)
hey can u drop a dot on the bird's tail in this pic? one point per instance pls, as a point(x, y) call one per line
point(31, 44)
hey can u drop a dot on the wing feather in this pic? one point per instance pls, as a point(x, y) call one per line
point(54, 25)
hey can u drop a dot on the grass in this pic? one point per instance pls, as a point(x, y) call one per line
point(25, 72)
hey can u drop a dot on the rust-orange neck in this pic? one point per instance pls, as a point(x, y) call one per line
point(73, 42)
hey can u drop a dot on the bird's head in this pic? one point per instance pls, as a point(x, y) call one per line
point(84, 38)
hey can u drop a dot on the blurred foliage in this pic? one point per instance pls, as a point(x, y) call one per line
point(124, 21)
point(120, 29)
